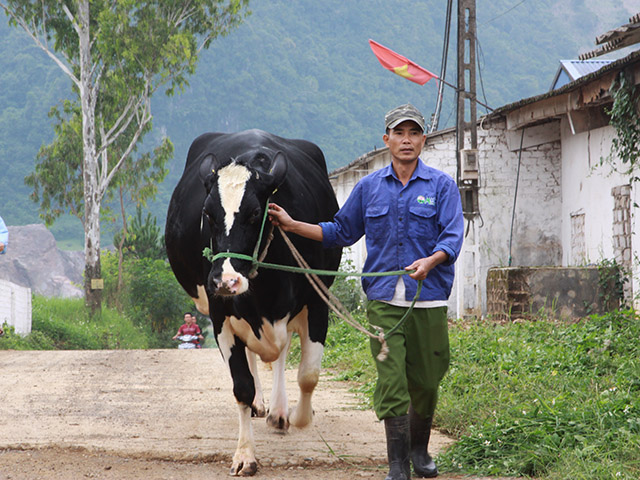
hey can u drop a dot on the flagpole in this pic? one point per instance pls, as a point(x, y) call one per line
point(475, 99)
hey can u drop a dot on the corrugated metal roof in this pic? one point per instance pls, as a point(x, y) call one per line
point(580, 68)
point(571, 70)
point(619, 64)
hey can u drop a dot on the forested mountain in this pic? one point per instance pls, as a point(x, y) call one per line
point(304, 69)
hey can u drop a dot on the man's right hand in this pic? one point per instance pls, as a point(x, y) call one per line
point(279, 217)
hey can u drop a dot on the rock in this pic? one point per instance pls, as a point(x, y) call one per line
point(33, 260)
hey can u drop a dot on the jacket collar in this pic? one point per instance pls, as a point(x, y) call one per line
point(422, 171)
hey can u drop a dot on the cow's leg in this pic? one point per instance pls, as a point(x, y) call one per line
point(278, 416)
point(257, 407)
point(311, 349)
point(234, 352)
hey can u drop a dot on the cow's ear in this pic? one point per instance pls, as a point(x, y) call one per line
point(206, 166)
point(278, 170)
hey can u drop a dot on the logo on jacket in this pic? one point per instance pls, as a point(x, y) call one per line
point(426, 200)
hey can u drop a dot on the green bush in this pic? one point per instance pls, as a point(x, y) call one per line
point(151, 296)
point(348, 289)
point(65, 324)
point(34, 341)
point(347, 353)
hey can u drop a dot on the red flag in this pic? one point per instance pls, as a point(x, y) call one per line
point(400, 65)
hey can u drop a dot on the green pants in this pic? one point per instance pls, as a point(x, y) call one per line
point(417, 361)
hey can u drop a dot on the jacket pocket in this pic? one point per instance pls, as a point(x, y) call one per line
point(376, 221)
point(422, 222)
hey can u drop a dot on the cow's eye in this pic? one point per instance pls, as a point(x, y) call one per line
point(255, 215)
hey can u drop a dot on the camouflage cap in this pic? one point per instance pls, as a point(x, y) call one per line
point(402, 113)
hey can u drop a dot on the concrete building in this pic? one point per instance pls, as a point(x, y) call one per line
point(15, 307)
point(548, 196)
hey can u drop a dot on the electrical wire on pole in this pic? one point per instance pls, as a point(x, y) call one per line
point(443, 69)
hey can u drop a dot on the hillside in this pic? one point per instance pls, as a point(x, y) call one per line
point(304, 69)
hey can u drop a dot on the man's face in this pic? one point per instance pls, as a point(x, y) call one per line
point(405, 141)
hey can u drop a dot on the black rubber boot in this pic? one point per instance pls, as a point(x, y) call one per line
point(398, 437)
point(423, 464)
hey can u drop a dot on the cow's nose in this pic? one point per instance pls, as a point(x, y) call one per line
point(229, 284)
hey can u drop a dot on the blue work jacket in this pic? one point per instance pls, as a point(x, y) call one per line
point(402, 224)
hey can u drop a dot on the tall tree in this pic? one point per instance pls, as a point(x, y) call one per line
point(117, 55)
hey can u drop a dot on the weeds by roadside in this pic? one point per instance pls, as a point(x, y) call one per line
point(547, 400)
point(64, 324)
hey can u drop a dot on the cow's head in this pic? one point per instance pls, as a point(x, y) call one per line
point(237, 193)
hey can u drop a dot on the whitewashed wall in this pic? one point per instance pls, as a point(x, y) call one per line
point(15, 306)
point(537, 230)
point(590, 195)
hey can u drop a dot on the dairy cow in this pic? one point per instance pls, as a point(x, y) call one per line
point(219, 203)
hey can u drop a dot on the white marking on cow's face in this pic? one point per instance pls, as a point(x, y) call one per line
point(234, 283)
point(232, 182)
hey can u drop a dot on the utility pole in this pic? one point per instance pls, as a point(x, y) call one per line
point(467, 133)
point(469, 299)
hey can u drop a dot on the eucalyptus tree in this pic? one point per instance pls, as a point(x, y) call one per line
point(117, 54)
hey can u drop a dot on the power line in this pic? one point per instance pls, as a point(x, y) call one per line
point(443, 68)
point(479, 56)
point(503, 13)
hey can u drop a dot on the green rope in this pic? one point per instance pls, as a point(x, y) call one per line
point(208, 254)
point(290, 268)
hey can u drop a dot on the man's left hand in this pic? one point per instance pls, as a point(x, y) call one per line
point(423, 266)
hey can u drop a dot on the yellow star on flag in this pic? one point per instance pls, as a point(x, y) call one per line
point(403, 71)
point(407, 69)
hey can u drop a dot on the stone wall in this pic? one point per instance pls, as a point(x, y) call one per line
point(561, 293)
point(621, 235)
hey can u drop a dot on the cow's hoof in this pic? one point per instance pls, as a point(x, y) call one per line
point(301, 417)
point(244, 469)
point(258, 410)
point(278, 422)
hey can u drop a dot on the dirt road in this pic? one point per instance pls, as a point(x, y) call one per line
point(166, 414)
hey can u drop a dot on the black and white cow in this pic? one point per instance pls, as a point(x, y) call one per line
point(219, 202)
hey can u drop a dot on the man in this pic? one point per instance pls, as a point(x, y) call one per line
point(411, 217)
point(190, 327)
point(4, 236)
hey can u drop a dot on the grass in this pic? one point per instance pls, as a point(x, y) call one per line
point(538, 399)
point(64, 324)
